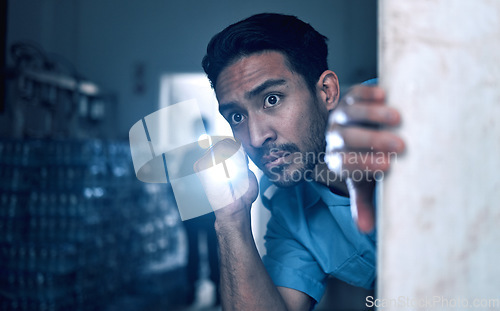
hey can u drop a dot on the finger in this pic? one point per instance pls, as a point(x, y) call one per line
point(361, 166)
point(362, 206)
point(364, 93)
point(379, 115)
point(361, 139)
point(225, 182)
point(221, 151)
point(366, 217)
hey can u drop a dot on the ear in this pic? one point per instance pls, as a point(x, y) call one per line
point(328, 89)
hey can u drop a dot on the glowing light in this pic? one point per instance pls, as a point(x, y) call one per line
point(225, 171)
point(334, 162)
point(338, 117)
point(225, 179)
point(205, 141)
point(334, 141)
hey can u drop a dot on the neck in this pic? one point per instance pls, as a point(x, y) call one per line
point(333, 181)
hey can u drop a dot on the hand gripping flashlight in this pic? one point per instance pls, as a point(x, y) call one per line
point(223, 172)
point(160, 156)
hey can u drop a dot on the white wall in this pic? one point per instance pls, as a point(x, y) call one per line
point(439, 227)
point(108, 39)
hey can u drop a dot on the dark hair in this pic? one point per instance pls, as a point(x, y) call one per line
point(305, 49)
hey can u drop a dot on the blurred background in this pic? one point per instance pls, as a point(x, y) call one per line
point(78, 231)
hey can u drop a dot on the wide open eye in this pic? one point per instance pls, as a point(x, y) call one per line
point(236, 118)
point(271, 100)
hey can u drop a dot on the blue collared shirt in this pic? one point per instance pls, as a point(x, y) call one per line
point(311, 235)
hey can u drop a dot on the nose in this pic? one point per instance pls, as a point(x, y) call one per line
point(260, 131)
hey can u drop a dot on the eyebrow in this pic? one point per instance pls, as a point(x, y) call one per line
point(267, 84)
point(252, 93)
point(225, 107)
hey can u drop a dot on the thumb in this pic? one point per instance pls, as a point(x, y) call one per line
point(362, 195)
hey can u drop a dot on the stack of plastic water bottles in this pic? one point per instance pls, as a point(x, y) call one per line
point(77, 229)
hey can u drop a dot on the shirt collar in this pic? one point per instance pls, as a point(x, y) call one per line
point(311, 192)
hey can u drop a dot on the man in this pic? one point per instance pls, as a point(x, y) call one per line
point(272, 82)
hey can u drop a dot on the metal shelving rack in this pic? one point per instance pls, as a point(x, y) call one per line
point(78, 231)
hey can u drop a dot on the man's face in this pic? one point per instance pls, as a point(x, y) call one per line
point(274, 115)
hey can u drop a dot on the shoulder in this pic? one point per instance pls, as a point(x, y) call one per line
point(371, 82)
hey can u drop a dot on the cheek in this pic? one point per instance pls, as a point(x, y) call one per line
point(297, 123)
point(240, 133)
point(311, 131)
point(242, 137)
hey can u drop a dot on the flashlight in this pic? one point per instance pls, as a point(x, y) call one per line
point(222, 173)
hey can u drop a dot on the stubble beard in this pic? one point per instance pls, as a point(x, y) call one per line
point(303, 161)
